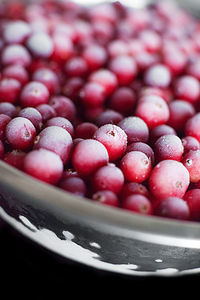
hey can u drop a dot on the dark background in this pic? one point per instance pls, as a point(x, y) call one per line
point(30, 272)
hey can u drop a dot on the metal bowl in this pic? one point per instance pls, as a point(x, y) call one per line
point(106, 238)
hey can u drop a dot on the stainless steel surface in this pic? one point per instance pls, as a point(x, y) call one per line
point(33, 207)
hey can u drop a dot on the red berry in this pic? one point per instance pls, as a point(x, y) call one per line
point(187, 88)
point(85, 130)
point(4, 120)
point(76, 67)
point(8, 109)
point(138, 204)
point(191, 161)
point(174, 208)
point(15, 158)
point(62, 48)
point(142, 147)
point(159, 131)
point(136, 166)
point(106, 197)
point(131, 188)
point(168, 147)
point(92, 94)
point(64, 107)
point(33, 94)
point(40, 44)
point(153, 110)
point(16, 54)
point(105, 78)
point(33, 115)
point(123, 100)
point(108, 178)
point(118, 48)
point(169, 178)
point(55, 139)
point(44, 165)
point(73, 87)
point(47, 112)
point(179, 112)
point(192, 127)
point(1, 149)
point(74, 185)
point(9, 90)
point(113, 138)
point(48, 78)
point(16, 72)
point(192, 199)
point(108, 116)
point(61, 122)
point(190, 143)
point(20, 133)
point(158, 76)
point(16, 32)
point(124, 67)
point(88, 156)
point(95, 56)
point(135, 128)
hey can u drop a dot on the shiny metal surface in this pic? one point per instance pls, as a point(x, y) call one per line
point(43, 213)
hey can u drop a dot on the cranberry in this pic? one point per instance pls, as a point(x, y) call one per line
point(158, 76)
point(131, 188)
point(108, 178)
point(8, 109)
point(76, 67)
point(92, 114)
point(138, 204)
point(85, 130)
point(123, 100)
point(32, 115)
point(180, 112)
point(95, 56)
point(105, 78)
point(72, 88)
point(1, 149)
point(16, 72)
point(47, 112)
point(20, 133)
point(103, 12)
point(108, 116)
point(16, 54)
point(159, 131)
point(135, 47)
point(61, 122)
point(135, 128)
point(136, 166)
point(169, 178)
point(64, 107)
point(74, 185)
point(16, 32)
point(124, 67)
point(193, 68)
point(55, 139)
point(106, 197)
point(4, 120)
point(15, 158)
point(192, 199)
point(168, 147)
point(113, 138)
point(165, 94)
point(153, 110)
point(175, 60)
point(142, 147)
point(118, 48)
point(88, 156)
point(33, 94)
point(48, 78)
point(62, 48)
point(9, 90)
point(187, 88)
point(191, 161)
point(92, 94)
point(102, 31)
point(151, 40)
point(44, 165)
point(173, 207)
point(40, 44)
point(192, 127)
point(146, 60)
point(190, 143)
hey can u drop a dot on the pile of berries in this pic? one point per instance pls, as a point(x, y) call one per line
point(104, 102)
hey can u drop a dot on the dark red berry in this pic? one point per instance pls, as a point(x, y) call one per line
point(131, 188)
point(16, 72)
point(74, 185)
point(174, 208)
point(108, 116)
point(105, 78)
point(48, 78)
point(106, 197)
point(95, 56)
point(64, 107)
point(138, 204)
point(1, 149)
point(192, 199)
point(61, 122)
point(92, 94)
point(4, 120)
point(15, 158)
point(33, 115)
point(168, 147)
point(9, 90)
point(85, 130)
point(8, 109)
point(47, 112)
point(123, 100)
point(33, 94)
